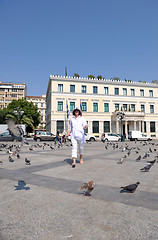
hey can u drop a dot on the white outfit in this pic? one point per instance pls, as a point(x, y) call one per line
point(76, 126)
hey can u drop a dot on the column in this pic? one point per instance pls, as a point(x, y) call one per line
point(126, 130)
point(101, 128)
point(117, 127)
point(110, 126)
point(148, 129)
point(142, 126)
point(135, 123)
point(139, 125)
point(90, 130)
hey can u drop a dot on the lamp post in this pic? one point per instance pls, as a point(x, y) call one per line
point(120, 117)
point(19, 112)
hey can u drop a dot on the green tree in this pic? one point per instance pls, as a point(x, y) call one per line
point(3, 113)
point(76, 75)
point(115, 78)
point(91, 76)
point(100, 77)
point(154, 81)
point(31, 116)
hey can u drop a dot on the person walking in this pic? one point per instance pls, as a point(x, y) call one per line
point(77, 125)
point(58, 137)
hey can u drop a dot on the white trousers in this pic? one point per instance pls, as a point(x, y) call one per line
point(74, 147)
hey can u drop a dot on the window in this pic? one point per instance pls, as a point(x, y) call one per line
point(144, 126)
point(141, 92)
point(124, 91)
point(106, 126)
point(95, 126)
point(60, 126)
point(132, 92)
point(84, 106)
point(60, 106)
point(13, 95)
point(151, 108)
point(41, 111)
point(72, 88)
point(106, 90)
point(116, 107)
point(60, 87)
point(95, 89)
point(152, 127)
point(95, 107)
point(150, 93)
point(142, 108)
point(41, 104)
point(72, 106)
point(41, 118)
point(106, 107)
point(132, 107)
point(116, 91)
point(84, 89)
point(124, 107)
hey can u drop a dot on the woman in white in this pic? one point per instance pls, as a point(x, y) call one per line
point(77, 125)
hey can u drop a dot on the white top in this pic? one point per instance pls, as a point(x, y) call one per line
point(76, 126)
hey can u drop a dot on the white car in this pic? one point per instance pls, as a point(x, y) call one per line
point(110, 137)
point(88, 137)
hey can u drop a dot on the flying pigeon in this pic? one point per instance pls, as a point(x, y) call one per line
point(27, 162)
point(152, 162)
point(121, 160)
point(146, 168)
point(16, 131)
point(89, 187)
point(131, 188)
point(11, 159)
point(138, 158)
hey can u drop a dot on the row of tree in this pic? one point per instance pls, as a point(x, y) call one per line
point(30, 116)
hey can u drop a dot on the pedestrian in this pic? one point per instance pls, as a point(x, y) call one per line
point(77, 125)
point(58, 137)
point(64, 136)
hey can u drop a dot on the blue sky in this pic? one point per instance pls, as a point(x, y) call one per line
point(107, 37)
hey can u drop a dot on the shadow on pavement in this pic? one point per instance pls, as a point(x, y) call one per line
point(21, 186)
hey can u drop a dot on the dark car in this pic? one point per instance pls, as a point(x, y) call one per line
point(43, 136)
point(6, 136)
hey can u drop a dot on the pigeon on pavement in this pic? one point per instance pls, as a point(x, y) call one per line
point(131, 188)
point(138, 158)
point(27, 162)
point(121, 160)
point(88, 187)
point(146, 168)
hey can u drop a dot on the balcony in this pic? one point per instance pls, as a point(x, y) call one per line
point(130, 115)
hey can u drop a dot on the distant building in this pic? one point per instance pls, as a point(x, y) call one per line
point(40, 102)
point(10, 92)
point(102, 100)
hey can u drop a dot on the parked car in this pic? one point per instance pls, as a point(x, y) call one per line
point(110, 137)
point(88, 137)
point(43, 136)
point(138, 135)
point(6, 136)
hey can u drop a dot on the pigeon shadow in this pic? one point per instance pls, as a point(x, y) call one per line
point(69, 161)
point(126, 191)
point(21, 186)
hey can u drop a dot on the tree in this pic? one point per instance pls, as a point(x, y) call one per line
point(100, 77)
point(76, 75)
point(115, 78)
point(91, 76)
point(31, 116)
point(154, 81)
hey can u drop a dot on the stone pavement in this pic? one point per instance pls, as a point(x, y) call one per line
point(42, 201)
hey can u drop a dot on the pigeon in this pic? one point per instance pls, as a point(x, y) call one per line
point(121, 160)
point(152, 162)
point(146, 168)
point(131, 188)
point(138, 158)
point(89, 187)
point(51, 147)
point(18, 156)
point(1, 162)
point(11, 159)
point(16, 131)
point(145, 156)
point(27, 162)
point(31, 148)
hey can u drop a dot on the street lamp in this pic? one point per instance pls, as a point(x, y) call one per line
point(120, 117)
point(19, 112)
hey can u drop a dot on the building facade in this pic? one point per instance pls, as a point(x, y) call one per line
point(101, 102)
point(40, 102)
point(10, 92)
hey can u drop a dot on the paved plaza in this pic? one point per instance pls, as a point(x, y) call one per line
point(42, 200)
